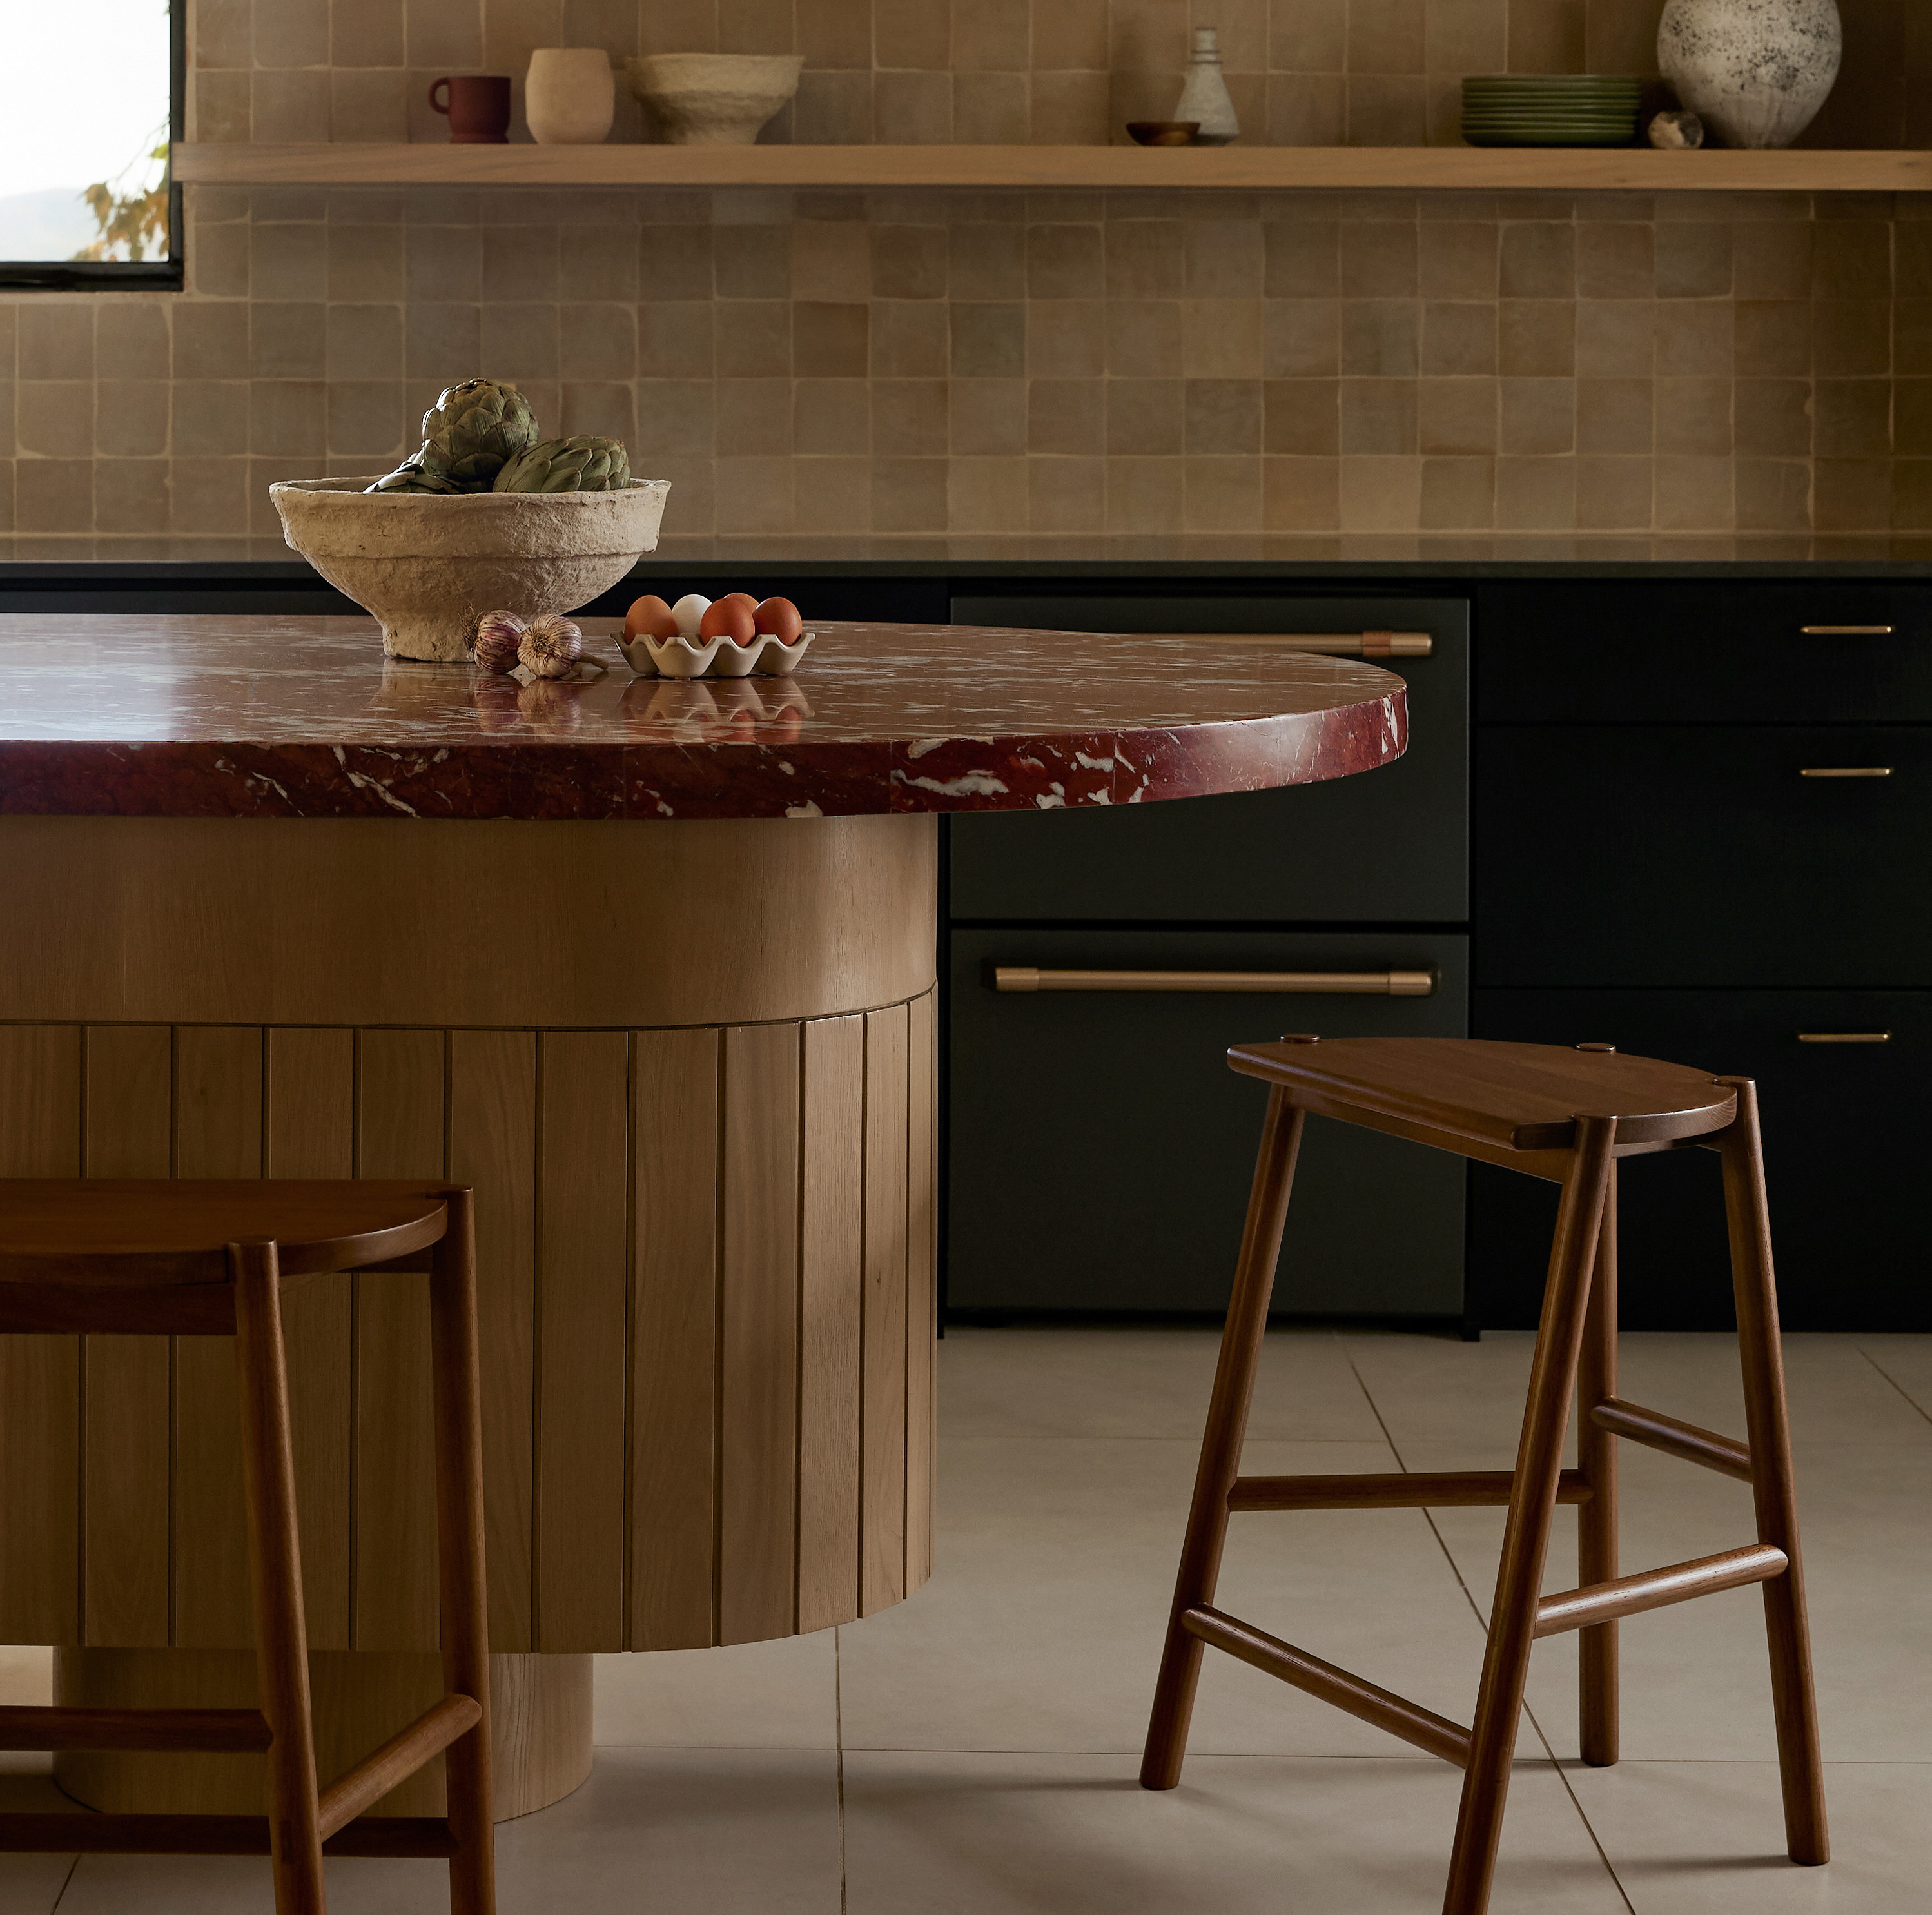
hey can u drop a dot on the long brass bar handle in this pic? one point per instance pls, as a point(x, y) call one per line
point(1848, 631)
point(1845, 771)
point(1844, 1036)
point(1332, 644)
point(1303, 983)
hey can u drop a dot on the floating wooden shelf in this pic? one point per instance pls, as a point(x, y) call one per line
point(1459, 169)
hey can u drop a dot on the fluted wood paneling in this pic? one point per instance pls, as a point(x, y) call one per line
point(127, 1502)
point(400, 1133)
point(493, 1098)
point(830, 1261)
point(883, 1507)
point(40, 1376)
point(583, 1176)
point(309, 1130)
point(705, 1263)
point(674, 1340)
point(758, 1336)
point(217, 1133)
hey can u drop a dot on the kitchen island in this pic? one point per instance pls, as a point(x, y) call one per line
point(652, 965)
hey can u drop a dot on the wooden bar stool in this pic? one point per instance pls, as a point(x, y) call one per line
point(213, 1259)
point(1568, 1116)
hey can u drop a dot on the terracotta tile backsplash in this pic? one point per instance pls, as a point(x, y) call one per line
point(918, 363)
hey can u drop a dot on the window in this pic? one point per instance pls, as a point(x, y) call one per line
point(94, 93)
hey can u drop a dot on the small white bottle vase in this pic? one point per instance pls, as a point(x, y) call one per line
point(569, 96)
point(1204, 96)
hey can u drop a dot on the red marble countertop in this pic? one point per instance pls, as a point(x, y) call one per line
point(172, 716)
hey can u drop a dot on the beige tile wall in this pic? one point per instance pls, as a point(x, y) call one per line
point(1079, 362)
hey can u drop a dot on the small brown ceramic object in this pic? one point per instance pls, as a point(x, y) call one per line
point(478, 108)
point(1163, 132)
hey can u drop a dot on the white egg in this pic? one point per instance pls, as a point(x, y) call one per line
point(687, 611)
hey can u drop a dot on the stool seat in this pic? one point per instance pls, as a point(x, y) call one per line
point(110, 1231)
point(1513, 1097)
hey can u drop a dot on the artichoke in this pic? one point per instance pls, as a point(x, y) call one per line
point(412, 476)
point(473, 430)
point(583, 464)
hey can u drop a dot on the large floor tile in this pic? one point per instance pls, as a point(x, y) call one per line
point(1128, 1382)
point(1441, 1392)
point(653, 1831)
point(1906, 1363)
point(1042, 1627)
point(31, 1884)
point(1708, 1839)
point(1000, 1834)
point(782, 1694)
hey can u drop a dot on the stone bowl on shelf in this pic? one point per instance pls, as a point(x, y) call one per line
point(425, 564)
point(714, 99)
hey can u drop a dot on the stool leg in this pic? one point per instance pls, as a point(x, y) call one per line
point(274, 1561)
point(1539, 1463)
point(1800, 1760)
point(462, 1593)
point(1597, 1520)
point(1221, 1445)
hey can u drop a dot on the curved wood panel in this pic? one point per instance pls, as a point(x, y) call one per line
point(504, 924)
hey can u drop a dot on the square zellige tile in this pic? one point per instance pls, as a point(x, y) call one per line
point(998, 1834)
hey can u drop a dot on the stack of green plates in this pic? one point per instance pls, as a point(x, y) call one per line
point(1551, 109)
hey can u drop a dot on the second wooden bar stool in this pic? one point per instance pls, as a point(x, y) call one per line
point(213, 1258)
point(1568, 1116)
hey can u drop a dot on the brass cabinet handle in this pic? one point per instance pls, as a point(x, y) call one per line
point(1308, 983)
point(1844, 1036)
point(1332, 644)
point(1848, 631)
point(1845, 771)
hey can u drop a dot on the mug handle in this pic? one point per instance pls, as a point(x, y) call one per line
point(439, 106)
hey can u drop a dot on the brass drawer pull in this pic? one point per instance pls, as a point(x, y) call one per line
point(1848, 631)
point(1311, 983)
point(1845, 771)
point(1844, 1036)
point(1332, 644)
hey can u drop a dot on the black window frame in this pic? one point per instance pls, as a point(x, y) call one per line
point(167, 275)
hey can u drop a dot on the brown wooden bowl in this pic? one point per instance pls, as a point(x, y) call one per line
point(1163, 132)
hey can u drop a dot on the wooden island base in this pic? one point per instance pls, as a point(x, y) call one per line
point(540, 1747)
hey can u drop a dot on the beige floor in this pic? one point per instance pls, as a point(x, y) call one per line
point(973, 1752)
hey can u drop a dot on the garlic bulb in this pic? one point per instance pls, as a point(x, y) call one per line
point(498, 635)
point(551, 646)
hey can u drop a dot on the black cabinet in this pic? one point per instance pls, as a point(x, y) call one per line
point(1388, 846)
point(1100, 1149)
point(1705, 855)
point(1844, 1149)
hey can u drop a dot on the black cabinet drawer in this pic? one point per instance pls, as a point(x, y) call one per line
point(1844, 1135)
point(1389, 845)
point(1702, 855)
point(1612, 651)
point(1100, 1149)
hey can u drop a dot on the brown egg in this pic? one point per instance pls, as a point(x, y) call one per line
point(727, 618)
point(649, 617)
point(738, 598)
point(778, 619)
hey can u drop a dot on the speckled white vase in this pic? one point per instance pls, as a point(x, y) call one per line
point(1755, 71)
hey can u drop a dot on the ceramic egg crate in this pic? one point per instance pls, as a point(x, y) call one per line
point(728, 637)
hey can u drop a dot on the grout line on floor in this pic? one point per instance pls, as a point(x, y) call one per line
point(66, 1883)
point(1917, 1408)
point(838, 1739)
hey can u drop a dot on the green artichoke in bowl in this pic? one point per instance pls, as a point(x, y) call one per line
point(474, 429)
point(583, 464)
point(412, 476)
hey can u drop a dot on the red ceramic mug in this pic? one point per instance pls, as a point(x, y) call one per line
point(478, 106)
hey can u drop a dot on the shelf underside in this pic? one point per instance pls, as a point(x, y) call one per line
point(1459, 169)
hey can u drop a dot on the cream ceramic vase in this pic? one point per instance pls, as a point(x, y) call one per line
point(570, 96)
point(1755, 71)
point(1204, 96)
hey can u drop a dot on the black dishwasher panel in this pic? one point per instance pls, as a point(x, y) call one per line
point(1843, 1151)
point(1386, 846)
point(1705, 856)
point(1627, 651)
point(1101, 1150)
